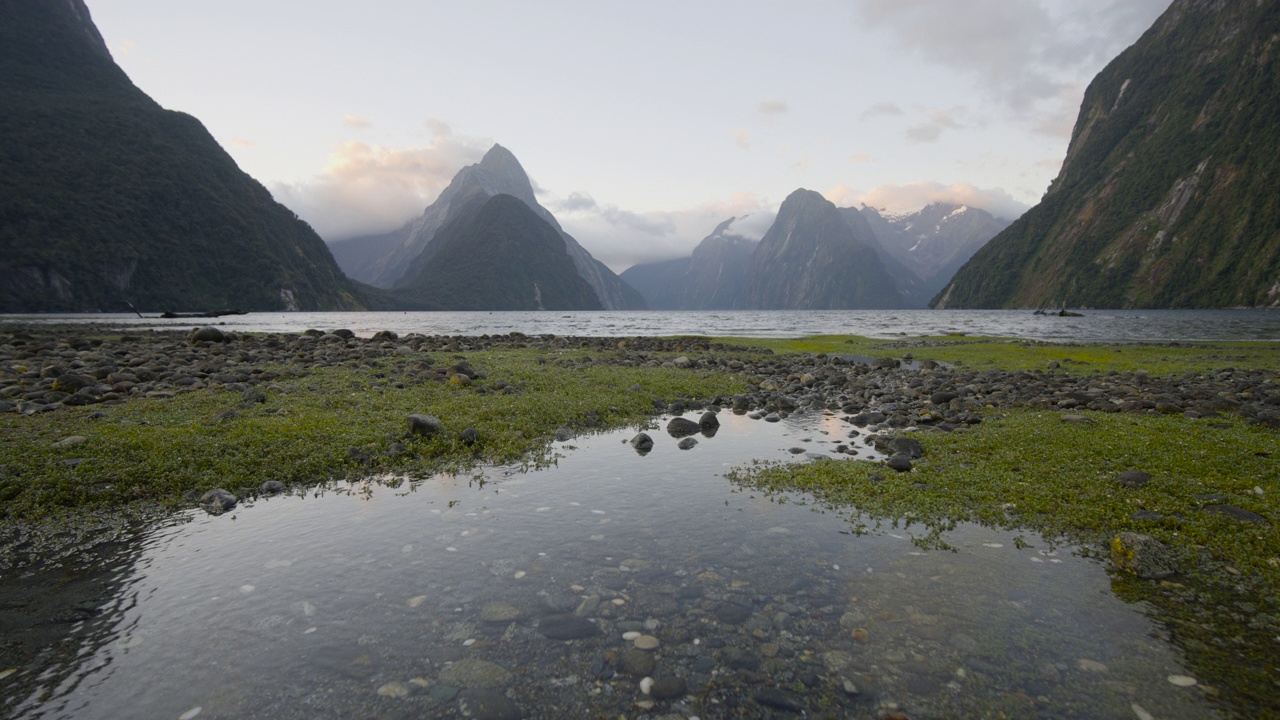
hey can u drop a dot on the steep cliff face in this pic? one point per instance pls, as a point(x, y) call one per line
point(716, 276)
point(495, 253)
point(107, 200)
point(810, 259)
point(1168, 193)
point(382, 260)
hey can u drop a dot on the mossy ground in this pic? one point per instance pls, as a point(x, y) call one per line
point(158, 450)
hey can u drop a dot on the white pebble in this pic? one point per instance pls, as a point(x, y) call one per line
point(246, 589)
point(835, 567)
point(544, 508)
point(468, 642)
point(1182, 680)
point(519, 574)
point(993, 545)
point(619, 602)
point(1141, 712)
point(628, 636)
point(9, 671)
point(646, 685)
point(417, 600)
point(310, 630)
point(598, 512)
point(451, 549)
point(188, 715)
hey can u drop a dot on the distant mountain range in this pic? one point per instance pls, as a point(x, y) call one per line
point(108, 201)
point(384, 260)
point(818, 256)
point(1168, 194)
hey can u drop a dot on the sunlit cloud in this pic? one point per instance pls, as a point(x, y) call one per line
point(860, 158)
point(880, 109)
point(125, 48)
point(242, 143)
point(367, 189)
point(741, 138)
point(355, 121)
point(912, 196)
point(772, 107)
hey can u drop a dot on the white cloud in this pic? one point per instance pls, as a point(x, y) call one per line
point(741, 138)
point(772, 107)
point(752, 226)
point(879, 109)
point(242, 143)
point(366, 189)
point(1031, 55)
point(860, 158)
point(939, 120)
point(355, 121)
point(914, 195)
point(621, 238)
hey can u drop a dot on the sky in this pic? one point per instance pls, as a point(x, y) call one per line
point(641, 124)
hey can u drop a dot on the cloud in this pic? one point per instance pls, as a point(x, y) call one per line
point(741, 138)
point(939, 120)
point(125, 47)
point(242, 143)
point(575, 202)
point(366, 189)
point(621, 238)
point(914, 195)
point(772, 107)
point(1031, 55)
point(879, 109)
point(355, 121)
point(860, 158)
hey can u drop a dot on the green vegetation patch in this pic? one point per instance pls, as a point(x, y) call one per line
point(322, 423)
point(986, 353)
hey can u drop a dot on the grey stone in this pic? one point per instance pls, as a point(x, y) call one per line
point(687, 443)
point(1237, 513)
point(272, 487)
point(217, 501)
point(779, 700)
point(900, 462)
point(636, 663)
point(642, 442)
point(668, 687)
point(1142, 555)
point(424, 425)
point(475, 673)
point(708, 421)
point(488, 704)
point(469, 437)
point(567, 626)
point(208, 334)
point(681, 427)
point(1133, 478)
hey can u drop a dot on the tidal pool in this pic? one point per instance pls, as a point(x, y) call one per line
point(612, 584)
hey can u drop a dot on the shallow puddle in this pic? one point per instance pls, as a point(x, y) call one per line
point(612, 584)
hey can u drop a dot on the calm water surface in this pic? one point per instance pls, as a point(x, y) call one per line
point(1095, 326)
point(454, 595)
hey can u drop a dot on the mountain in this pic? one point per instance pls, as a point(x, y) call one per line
point(715, 277)
point(1168, 194)
point(382, 260)
point(810, 259)
point(107, 199)
point(933, 242)
point(495, 253)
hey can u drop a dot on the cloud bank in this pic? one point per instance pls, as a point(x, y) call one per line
point(914, 195)
point(367, 189)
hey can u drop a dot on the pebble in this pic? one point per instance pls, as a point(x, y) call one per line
point(394, 689)
point(1092, 666)
point(190, 714)
point(1182, 680)
point(646, 642)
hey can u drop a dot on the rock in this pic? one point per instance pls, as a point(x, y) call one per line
point(70, 441)
point(488, 704)
point(682, 362)
point(900, 462)
point(741, 659)
point(253, 395)
point(563, 434)
point(1076, 419)
point(708, 421)
point(567, 626)
point(272, 487)
point(636, 663)
point(469, 437)
point(344, 333)
point(475, 673)
point(642, 442)
point(668, 687)
point(646, 642)
point(1133, 478)
point(424, 425)
point(1237, 513)
point(687, 443)
point(681, 427)
point(907, 446)
point(1142, 555)
point(778, 700)
point(499, 612)
point(732, 613)
point(217, 501)
point(772, 417)
point(942, 397)
point(208, 334)
point(70, 383)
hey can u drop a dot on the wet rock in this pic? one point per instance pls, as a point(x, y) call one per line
point(732, 613)
point(70, 441)
point(708, 421)
point(499, 612)
point(1142, 555)
point(563, 434)
point(272, 487)
point(469, 437)
point(567, 626)
point(778, 700)
point(687, 443)
point(487, 704)
point(668, 687)
point(900, 462)
point(424, 425)
point(642, 442)
point(217, 501)
point(1133, 478)
point(208, 334)
point(475, 673)
point(682, 427)
point(740, 659)
point(635, 663)
point(907, 446)
point(773, 417)
point(1237, 513)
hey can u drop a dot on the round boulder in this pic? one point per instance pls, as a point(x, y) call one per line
point(642, 442)
point(217, 501)
point(208, 334)
point(900, 462)
point(681, 427)
point(424, 425)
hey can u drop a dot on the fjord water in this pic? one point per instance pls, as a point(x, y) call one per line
point(455, 594)
point(1104, 326)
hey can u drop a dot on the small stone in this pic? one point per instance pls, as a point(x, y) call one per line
point(900, 462)
point(70, 441)
point(681, 427)
point(1076, 419)
point(1092, 666)
point(563, 434)
point(1133, 478)
point(668, 687)
point(208, 334)
point(488, 704)
point(394, 689)
point(646, 642)
point(475, 673)
point(272, 487)
point(635, 663)
point(687, 443)
point(217, 501)
point(779, 700)
point(732, 613)
point(424, 425)
point(567, 626)
point(499, 612)
point(469, 437)
point(642, 442)
point(1182, 680)
point(1237, 513)
point(708, 421)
